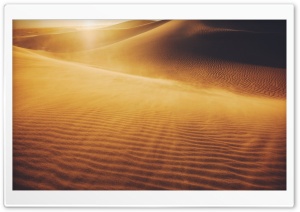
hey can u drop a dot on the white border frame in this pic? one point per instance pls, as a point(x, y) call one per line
point(147, 198)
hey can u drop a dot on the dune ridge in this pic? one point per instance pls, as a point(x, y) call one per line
point(30, 32)
point(129, 24)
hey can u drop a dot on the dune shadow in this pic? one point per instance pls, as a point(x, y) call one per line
point(251, 42)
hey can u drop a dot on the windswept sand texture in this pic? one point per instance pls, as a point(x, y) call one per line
point(151, 105)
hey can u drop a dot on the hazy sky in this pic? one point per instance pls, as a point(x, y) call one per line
point(17, 24)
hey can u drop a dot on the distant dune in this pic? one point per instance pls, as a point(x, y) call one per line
point(189, 51)
point(82, 39)
point(31, 32)
point(152, 106)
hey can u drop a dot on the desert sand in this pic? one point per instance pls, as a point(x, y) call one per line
point(150, 105)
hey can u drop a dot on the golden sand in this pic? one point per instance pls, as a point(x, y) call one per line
point(132, 113)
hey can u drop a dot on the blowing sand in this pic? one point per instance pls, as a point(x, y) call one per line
point(138, 112)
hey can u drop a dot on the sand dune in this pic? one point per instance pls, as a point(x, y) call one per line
point(246, 62)
point(81, 39)
point(30, 32)
point(151, 105)
point(145, 133)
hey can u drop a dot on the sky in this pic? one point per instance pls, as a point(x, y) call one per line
point(18, 24)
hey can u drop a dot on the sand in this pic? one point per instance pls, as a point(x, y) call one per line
point(142, 114)
point(81, 39)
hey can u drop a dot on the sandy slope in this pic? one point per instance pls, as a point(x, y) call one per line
point(79, 127)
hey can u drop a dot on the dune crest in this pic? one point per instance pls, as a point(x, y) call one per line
point(130, 24)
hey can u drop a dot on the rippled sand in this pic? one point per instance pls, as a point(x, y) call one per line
point(148, 108)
